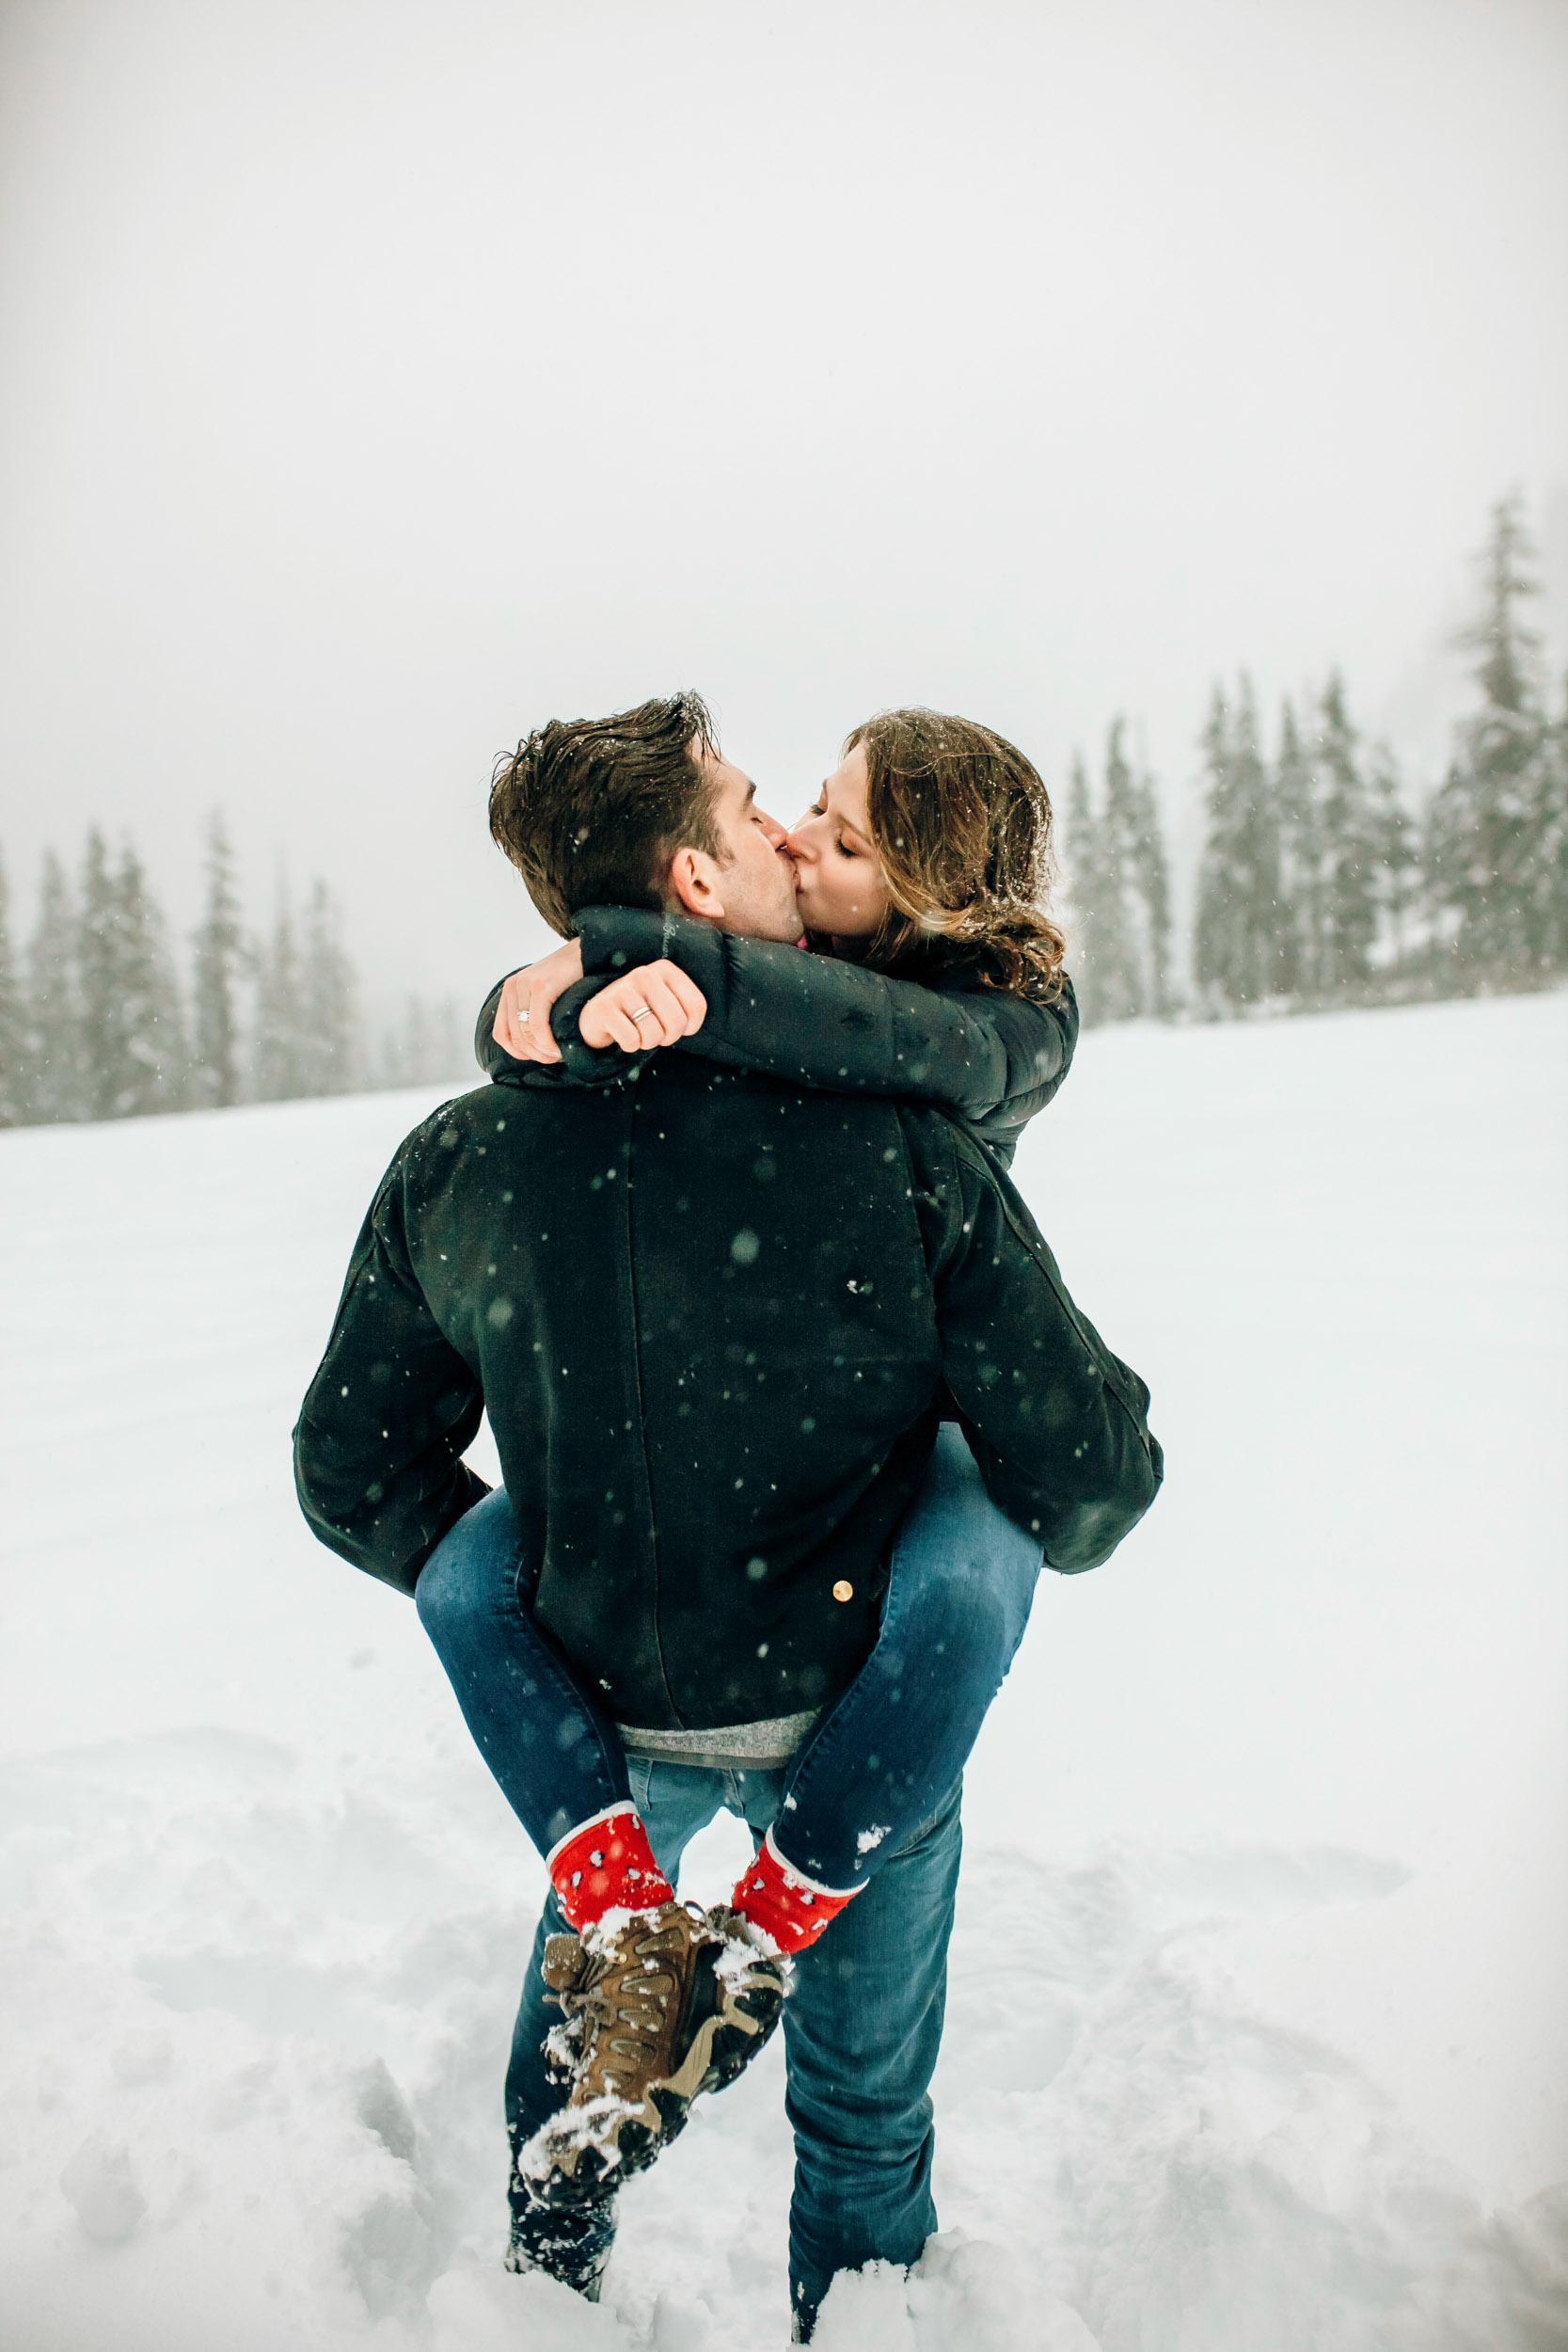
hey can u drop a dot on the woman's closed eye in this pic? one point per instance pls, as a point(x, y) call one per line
point(846, 848)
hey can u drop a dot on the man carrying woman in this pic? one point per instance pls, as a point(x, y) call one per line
point(717, 1301)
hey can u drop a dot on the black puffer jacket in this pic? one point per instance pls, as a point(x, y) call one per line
point(990, 1058)
point(709, 1314)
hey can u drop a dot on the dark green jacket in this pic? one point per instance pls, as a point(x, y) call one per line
point(710, 1313)
point(992, 1059)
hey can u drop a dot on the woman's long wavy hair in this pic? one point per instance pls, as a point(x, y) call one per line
point(961, 823)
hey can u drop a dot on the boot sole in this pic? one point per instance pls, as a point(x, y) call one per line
point(724, 2044)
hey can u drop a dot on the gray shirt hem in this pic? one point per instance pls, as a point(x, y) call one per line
point(758, 1747)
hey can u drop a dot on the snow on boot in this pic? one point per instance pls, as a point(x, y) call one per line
point(557, 2249)
point(667, 2004)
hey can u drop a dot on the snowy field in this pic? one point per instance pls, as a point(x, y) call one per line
point(1266, 1834)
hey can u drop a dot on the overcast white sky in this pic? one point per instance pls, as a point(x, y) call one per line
point(380, 380)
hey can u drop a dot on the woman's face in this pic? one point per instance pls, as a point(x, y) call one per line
point(839, 886)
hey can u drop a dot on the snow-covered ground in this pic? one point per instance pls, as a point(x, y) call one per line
point(1265, 1835)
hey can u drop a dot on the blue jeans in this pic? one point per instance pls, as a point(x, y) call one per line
point(554, 1751)
point(960, 1584)
point(960, 1587)
point(861, 2031)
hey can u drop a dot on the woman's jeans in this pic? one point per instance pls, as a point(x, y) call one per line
point(960, 1584)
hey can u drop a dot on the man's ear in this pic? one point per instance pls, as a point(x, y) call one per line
point(694, 885)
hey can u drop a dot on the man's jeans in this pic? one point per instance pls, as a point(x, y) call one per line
point(874, 1802)
point(861, 2031)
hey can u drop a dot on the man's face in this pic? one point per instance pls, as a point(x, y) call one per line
point(753, 883)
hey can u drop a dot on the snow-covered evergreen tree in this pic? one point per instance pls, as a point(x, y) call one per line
point(281, 1054)
point(131, 1038)
point(1079, 848)
point(307, 1025)
point(1118, 884)
point(13, 1073)
point(104, 1038)
point(1548, 825)
point(1117, 967)
point(1496, 822)
point(1240, 920)
point(1348, 898)
point(1302, 959)
point(427, 1048)
point(94, 1028)
point(1096, 914)
point(1398, 867)
point(156, 1057)
point(218, 962)
point(53, 1042)
point(328, 993)
point(1079, 861)
point(1151, 870)
point(406, 1054)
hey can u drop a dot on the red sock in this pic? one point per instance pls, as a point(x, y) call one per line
point(789, 1907)
point(607, 1863)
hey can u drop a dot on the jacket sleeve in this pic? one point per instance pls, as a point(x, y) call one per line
point(992, 1059)
point(492, 1059)
point(1058, 1425)
point(379, 1447)
point(579, 1064)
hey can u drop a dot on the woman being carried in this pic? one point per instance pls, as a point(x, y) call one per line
point(923, 869)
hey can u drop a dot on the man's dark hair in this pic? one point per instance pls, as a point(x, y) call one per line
point(591, 811)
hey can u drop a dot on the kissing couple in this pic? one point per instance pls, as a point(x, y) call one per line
point(791, 1405)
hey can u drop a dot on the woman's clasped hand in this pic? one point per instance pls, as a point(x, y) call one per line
point(655, 1004)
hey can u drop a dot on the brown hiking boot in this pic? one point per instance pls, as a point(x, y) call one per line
point(665, 2006)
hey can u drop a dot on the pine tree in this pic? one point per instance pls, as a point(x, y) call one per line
point(219, 954)
point(1240, 920)
point(1349, 891)
point(329, 1030)
point(105, 1039)
point(1120, 986)
point(132, 1049)
point(1096, 905)
point(1302, 956)
point(1548, 821)
point(279, 1055)
point(426, 1049)
point(1078, 861)
point(1397, 859)
point(411, 1046)
point(452, 1043)
point(13, 1073)
point(1079, 855)
point(1149, 870)
point(1120, 889)
point(56, 1054)
point(1491, 821)
point(153, 1075)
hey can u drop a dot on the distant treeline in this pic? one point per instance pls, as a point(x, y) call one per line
point(1321, 882)
point(97, 1021)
